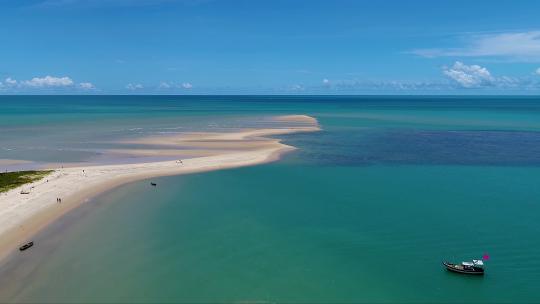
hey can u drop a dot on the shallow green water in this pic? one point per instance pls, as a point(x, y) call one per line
point(364, 212)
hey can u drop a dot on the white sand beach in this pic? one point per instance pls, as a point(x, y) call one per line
point(23, 215)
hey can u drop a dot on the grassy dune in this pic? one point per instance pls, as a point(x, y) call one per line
point(12, 180)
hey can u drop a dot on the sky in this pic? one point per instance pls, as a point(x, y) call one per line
point(269, 47)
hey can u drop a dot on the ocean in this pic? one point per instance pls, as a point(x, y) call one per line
point(364, 211)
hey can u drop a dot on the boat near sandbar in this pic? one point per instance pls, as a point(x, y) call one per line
point(474, 267)
point(26, 246)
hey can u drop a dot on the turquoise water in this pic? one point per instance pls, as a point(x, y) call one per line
point(364, 211)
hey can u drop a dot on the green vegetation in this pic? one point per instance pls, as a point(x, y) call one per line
point(10, 180)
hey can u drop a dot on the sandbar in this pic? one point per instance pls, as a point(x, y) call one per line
point(24, 215)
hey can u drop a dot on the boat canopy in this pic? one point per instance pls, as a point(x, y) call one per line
point(478, 262)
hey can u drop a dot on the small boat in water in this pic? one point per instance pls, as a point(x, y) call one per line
point(153, 184)
point(26, 246)
point(474, 267)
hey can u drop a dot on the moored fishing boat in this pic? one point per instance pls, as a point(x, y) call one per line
point(474, 267)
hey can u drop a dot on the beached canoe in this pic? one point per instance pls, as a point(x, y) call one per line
point(26, 246)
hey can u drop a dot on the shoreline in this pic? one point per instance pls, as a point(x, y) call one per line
point(22, 216)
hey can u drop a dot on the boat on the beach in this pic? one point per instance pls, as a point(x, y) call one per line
point(25, 192)
point(26, 246)
point(474, 267)
point(153, 184)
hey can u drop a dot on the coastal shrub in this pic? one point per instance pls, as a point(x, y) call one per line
point(10, 180)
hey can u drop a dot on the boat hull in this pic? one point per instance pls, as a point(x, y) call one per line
point(459, 269)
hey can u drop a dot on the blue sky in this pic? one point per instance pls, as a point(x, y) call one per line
point(269, 47)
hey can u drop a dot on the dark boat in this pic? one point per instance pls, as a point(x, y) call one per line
point(26, 246)
point(153, 184)
point(474, 267)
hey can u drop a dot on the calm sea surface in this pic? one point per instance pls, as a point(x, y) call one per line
point(364, 211)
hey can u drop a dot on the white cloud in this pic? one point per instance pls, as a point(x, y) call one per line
point(48, 81)
point(469, 76)
point(164, 85)
point(326, 81)
point(171, 85)
point(86, 86)
point(522, 46)
point(537, 71)
point(297, 87)
point(132, 86)
point(475, 76)
point(378, 85)
point(10, 82)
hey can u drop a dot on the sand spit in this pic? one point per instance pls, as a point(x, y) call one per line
point(23, 215)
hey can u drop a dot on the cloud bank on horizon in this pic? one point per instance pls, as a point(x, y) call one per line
point(269, 47)
point(44, 83)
